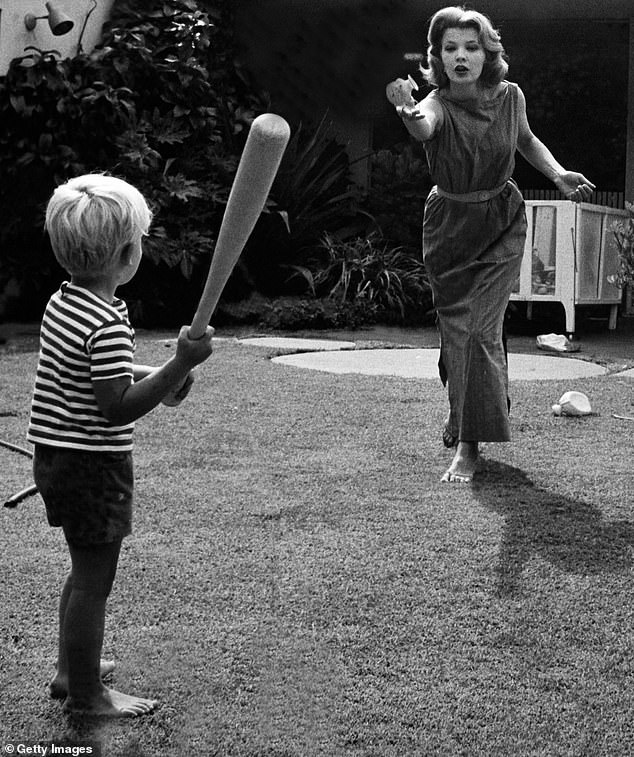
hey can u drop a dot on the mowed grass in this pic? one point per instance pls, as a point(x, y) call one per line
point(299, 583)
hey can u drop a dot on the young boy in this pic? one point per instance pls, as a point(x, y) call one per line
point(88, 393)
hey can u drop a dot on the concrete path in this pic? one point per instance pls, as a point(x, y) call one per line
point(342, 357)
point(423, 364)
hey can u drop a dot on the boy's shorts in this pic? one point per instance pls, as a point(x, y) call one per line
point(88, 494)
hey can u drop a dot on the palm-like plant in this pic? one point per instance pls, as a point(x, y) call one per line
point(313, 193)
point(313, 188)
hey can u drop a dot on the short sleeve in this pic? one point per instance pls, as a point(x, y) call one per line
point(111, 350)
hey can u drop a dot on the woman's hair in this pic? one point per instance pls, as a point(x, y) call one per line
point(91, 219)
point(457, 17)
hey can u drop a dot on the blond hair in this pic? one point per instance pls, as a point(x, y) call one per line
point(457, 17)
point(91, 219)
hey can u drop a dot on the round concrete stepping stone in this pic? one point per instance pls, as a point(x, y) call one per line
point(423, 363)
point(295, 344)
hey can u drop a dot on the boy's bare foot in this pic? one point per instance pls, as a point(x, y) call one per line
point(58, 687)
point(464, 464)
point(112, 704)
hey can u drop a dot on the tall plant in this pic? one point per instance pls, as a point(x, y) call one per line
point(312, 194)
point(313, 185)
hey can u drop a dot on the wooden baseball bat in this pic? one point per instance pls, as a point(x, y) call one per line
point(261, 157)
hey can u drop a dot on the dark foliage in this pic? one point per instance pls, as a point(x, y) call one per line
point(161, 102)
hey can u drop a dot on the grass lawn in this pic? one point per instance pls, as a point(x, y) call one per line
point(299, 583)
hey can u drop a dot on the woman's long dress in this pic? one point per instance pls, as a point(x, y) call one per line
point(472, 253)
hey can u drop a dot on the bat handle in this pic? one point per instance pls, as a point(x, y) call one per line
point(15, 500)
point(198, 327)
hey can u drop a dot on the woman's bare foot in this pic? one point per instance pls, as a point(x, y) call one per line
point(463, 466)
point(110, 703)
point(58, 687)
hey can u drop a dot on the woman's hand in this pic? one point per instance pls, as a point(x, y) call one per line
point(574, 186)
point(409, 113)
point(399, 93)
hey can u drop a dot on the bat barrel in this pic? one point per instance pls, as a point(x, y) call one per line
point(261, 157)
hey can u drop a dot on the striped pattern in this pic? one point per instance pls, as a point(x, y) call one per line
point(82, 339)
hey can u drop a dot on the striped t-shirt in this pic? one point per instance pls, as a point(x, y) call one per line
point(82, 339)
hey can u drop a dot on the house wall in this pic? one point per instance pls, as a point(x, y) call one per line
point(14, 37)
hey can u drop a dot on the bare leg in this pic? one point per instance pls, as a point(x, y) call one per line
point(463, 465)
point(58, 687)
point(92, 576)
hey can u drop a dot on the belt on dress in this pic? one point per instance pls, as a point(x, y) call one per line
point(481, 195)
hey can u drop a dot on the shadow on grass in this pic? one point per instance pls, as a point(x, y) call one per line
point(570, 534)
point(76, 731)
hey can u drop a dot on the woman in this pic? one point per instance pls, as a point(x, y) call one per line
point(474, 224)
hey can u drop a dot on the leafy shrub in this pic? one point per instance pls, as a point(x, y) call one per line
point(297, 313)
point(294, 313)
point(163, 103)
point(369, 270)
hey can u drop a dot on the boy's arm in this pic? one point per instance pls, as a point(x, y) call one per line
point(122, 401)
point(142, 371)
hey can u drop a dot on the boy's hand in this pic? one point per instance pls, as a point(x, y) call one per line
point(191, 352)
point(176, 396)
point(122, 400)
